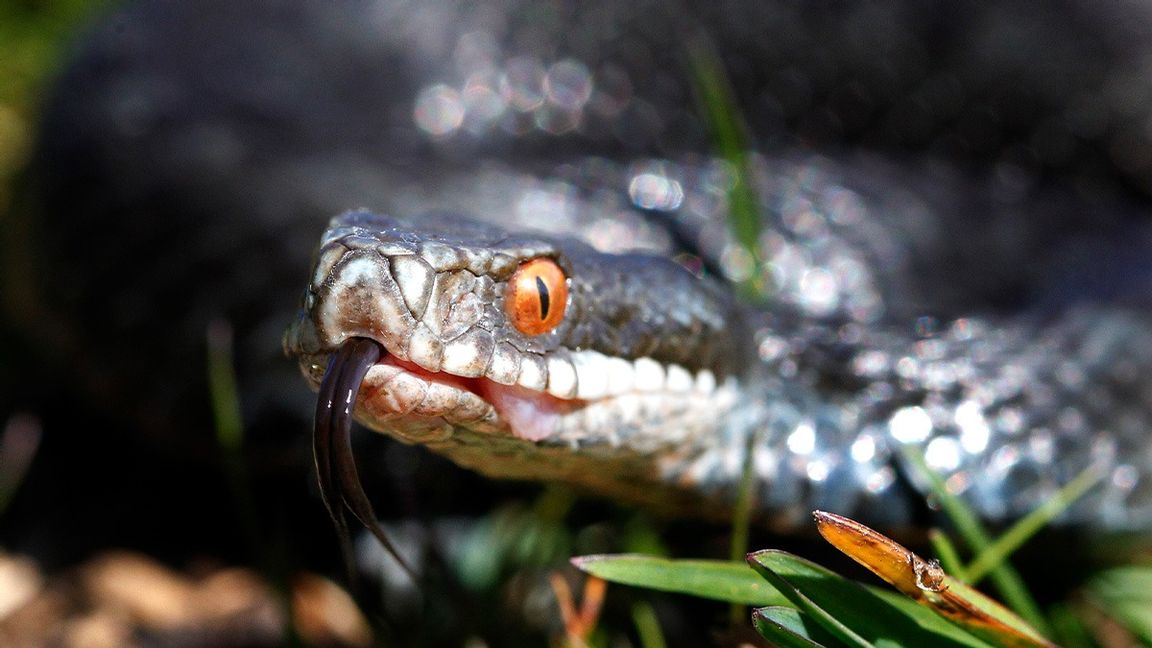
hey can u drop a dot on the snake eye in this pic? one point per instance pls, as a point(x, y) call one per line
point(537, 296)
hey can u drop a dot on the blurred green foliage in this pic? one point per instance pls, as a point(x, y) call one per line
point(34, 35)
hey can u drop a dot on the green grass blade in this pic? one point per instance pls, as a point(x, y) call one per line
point(731, 144)
point(835, 622)
point(856, 614)
point(1012, 539)
point(1125, 595)
point(719, 580)
point(222, 385)
point(647, 626)
point(742, 520)
point(947, 555)
point(1069, 627)
point(790, 628)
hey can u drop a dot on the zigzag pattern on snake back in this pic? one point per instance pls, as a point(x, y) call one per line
point(954, 226)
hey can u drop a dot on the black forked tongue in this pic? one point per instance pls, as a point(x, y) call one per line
point(332, 446)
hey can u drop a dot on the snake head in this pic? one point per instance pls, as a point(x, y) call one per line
point(435, 294)
point(505, 353)
point(412, 327)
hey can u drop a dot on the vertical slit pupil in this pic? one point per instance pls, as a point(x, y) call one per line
point(542, 288)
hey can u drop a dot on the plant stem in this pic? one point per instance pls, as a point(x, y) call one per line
point(1006, 579)
point(1011, 540)
point(947, 555)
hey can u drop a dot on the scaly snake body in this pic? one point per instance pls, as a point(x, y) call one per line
point(643, 391)
point(954, 228)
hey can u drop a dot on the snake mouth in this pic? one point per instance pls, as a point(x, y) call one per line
point(440, 408)
point(420, 405)
point(424, 406)
point(413, 400)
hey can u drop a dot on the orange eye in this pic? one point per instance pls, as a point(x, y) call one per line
point(537, 296)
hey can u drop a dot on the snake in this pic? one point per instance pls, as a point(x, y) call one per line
point(628, 375)
point(949, 250)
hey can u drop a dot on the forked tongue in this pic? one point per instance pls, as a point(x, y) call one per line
point(336, 472)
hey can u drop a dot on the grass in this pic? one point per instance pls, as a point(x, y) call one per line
point(802, 604)
point(1006, 579)
point(731, 144)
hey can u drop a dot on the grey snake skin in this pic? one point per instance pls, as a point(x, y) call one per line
point(645, 391)
point(955, 203)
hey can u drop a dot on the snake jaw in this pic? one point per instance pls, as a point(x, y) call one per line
point(427, 407)
point(441, 409)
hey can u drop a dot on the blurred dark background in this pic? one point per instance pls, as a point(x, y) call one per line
point(116, 141)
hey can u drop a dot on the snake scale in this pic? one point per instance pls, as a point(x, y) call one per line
point(954, 201)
